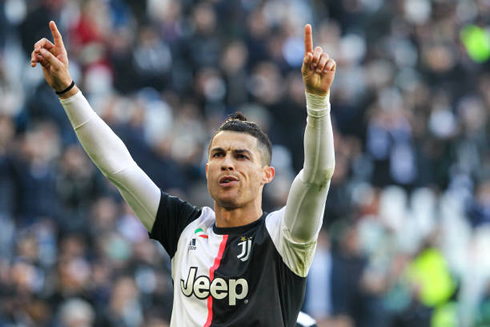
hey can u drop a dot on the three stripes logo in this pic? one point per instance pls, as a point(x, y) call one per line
point(199, 233)
point(192, 244)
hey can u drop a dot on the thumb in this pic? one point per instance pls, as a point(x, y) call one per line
point(50, 59)
point(307, 63)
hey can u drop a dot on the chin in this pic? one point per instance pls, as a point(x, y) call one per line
point(228, 204)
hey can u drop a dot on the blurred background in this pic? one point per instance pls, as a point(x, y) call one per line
point(406, 235)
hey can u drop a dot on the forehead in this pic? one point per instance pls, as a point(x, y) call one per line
point(229, 140)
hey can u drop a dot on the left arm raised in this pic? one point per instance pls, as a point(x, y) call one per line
point(306, 201)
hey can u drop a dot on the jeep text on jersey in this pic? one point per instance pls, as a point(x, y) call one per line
point(218, 288)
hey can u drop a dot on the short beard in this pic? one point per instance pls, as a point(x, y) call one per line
point(227, 205)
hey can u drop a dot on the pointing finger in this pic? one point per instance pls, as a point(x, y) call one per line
point(308, 39)
point(58, 39)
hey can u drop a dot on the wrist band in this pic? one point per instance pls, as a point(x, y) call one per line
point(67, 89)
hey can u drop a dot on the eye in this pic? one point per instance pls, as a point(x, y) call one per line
point(217, 154)
point(241, 156)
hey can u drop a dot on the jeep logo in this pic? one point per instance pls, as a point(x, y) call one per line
point(218, 288)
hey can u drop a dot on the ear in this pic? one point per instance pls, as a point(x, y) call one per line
point(269, 173)
point(207, 167)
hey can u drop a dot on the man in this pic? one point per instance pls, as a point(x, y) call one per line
point(234, 265)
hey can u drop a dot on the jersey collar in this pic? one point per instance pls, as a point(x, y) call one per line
point(239, 229)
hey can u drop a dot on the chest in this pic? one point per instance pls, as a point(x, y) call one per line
point(210, 254)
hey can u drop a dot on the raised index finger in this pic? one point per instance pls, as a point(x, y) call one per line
point(308, 39)
point(58, 40)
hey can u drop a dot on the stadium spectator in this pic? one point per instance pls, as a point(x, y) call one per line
point(416, 48)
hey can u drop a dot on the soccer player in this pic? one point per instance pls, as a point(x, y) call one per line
point(235, 265)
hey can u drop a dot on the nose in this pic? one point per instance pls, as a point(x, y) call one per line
point(227, 164)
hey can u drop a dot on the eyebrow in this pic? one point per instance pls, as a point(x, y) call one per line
point(250, 153)
point(217, 150)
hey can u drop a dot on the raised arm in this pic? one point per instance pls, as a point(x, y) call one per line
point(102, 145)
point(308, 194)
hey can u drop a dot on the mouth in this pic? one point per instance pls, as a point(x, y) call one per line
point(227, 181)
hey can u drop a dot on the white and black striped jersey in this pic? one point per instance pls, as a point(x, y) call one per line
point(252, 275)
point(240, 276)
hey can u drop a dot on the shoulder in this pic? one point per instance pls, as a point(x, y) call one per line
point(207, 217)
point(274, 219)
point(297, 256)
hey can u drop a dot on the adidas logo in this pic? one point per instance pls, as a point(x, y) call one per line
point(199, 232)
point(192, 244)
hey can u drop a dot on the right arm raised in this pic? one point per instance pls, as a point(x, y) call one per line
point(112, 157)
point(102, 145)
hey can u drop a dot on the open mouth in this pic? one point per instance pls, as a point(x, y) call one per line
point(227, 181)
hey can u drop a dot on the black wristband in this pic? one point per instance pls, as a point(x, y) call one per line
point(67, 89)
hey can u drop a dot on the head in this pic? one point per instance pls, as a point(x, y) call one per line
point(238, 167)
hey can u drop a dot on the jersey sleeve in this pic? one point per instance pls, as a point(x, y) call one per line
point(110, 155)
point(306, 200)
point(297, 231)
point(172, 218)
point(296, 255)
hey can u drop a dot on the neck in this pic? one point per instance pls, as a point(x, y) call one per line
point(237, 216)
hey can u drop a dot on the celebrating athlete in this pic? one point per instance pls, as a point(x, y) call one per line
point(232, 265)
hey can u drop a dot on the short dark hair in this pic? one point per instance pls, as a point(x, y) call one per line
point(237, 122)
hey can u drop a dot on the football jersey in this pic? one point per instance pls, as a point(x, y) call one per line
point(252, 275)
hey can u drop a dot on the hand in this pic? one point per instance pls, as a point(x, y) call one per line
point(318, 68)
point(54, 61)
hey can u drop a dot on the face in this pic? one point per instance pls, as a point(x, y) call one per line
point(235, 171)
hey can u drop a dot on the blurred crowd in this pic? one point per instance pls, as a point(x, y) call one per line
point(406, 235)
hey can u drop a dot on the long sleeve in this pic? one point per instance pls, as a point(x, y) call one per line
point(306, 201)
point(111, 156)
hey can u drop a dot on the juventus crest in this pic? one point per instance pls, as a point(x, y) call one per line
point(246, 248)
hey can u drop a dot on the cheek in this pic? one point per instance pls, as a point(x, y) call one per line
point(256, 178)
point(210, 170)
